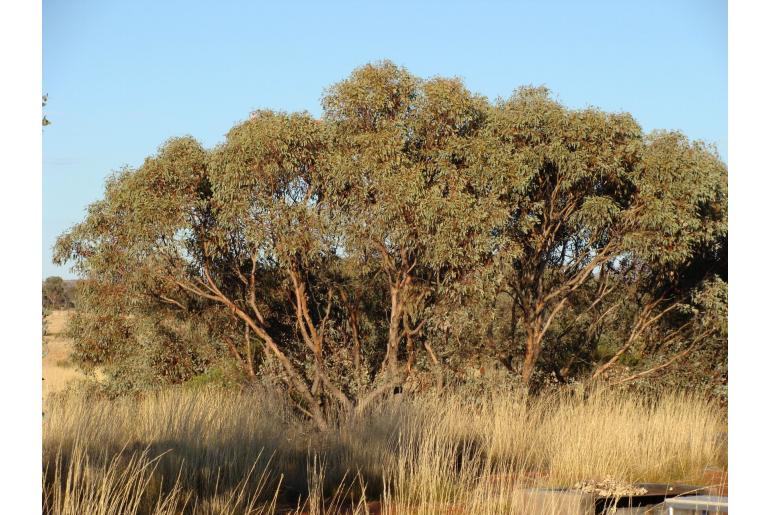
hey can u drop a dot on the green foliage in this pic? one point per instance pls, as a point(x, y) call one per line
point(406, 171)
point(58, 293)
point(213, 377)
point(45, 120)
point(416, 228)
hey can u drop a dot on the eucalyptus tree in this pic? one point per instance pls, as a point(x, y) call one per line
point(268, 181)
point(407, 180)
point(587, 189)
point(122, 248)
point(222, 228)
point(238, 231)
point(57, 294)
point(334, 249)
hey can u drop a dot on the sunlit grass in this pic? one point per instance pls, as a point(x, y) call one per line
point(219, 451)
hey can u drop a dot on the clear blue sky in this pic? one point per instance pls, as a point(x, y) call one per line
point(122, 77)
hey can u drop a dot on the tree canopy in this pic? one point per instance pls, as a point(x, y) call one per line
point(346, 255)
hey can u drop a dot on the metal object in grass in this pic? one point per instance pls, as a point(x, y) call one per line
point(696, 505)
point(654, 494)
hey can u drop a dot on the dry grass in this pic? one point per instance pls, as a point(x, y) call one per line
point(214, 451)
point(58, 371)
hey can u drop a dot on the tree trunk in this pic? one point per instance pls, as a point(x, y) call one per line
point(537, 326)
point(533, 344)
point(394, 330)
point(514, 321)
point(356, 342)
point(409, 345)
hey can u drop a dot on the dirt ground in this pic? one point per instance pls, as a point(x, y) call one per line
point(57, 368)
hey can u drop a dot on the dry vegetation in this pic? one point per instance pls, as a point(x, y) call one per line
point(58, 370)
point(412, 235)
point(218, 451)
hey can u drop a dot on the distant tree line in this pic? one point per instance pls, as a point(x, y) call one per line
point(58, 293)
point(413, 231)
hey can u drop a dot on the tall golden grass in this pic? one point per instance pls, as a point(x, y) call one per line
point(217, 451)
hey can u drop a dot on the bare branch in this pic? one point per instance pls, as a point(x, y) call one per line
point(668, 363)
